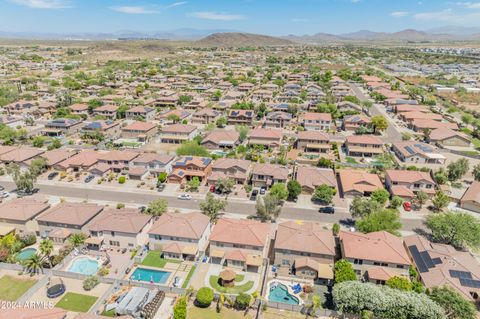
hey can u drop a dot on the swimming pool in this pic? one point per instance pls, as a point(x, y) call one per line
point(84, 265)
point(26, 253)
point(149, 275)
point(279, 293)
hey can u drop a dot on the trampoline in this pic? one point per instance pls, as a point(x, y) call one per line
point(56, 288)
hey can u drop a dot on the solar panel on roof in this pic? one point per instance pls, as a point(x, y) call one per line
point(437, 261)
point(409, 150)
point(418, 259)
point(470, 283)
point(426, 258)
point(460, 274)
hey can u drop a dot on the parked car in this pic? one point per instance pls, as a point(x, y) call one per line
point(27, 193)
point(407, 206)
point(2, 188)
point(89, 178)
point(263, 189)
point(52, 175)
point(160, 187)
point(142, 208)
point(184, 197)
point(254, 195)
point(4, 194)
point(212, 189)
point(327, 210)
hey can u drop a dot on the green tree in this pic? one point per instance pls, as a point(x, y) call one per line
point(325, 162)
point(157, 207)
point(225, 185)
point(46, 249)
point(242, 301)
point(294, 189)
point(440, 176)
point(221, 122)
point(34, 264)
point(242, 131)
point(173, 118)
point(56, 143)
point(379, 123)
point(279, 191)
point(421, 198)
point(204, 297)
point(324, 194)
point(440, 201)
point(38, 166)
point(162, 177)
point(396, 202)
point(315, 305)
point(268, 207)
point(361, 207)
point(400, 283)
point(457, 169)
point(212, 207)
point(24, 181)
point(380, 195)
point(476, 172)
point(344, 271)
point(454, 305)
point(336, 229)
point(456, 229)
point(385, 219)
point(77, 239)
point(180, 308)
point(193, 184)
point(38, 141)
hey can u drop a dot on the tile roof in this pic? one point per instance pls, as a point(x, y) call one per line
point(247, 232)
point(71, 213)
point(189, 225)
point(360, 181)
point(306, 237)
point(125, 220)
point(22, 209)
point(312, 176)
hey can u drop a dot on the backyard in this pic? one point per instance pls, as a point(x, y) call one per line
point(213, 280)
point(76, 302)
point(153, 259)
point(211, 313)
point(12, 288)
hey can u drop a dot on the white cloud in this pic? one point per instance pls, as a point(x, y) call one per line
point(133, 10)
point(469, 5)
point(399, 14)
point(216, 16)
point(44, 4)
point(450, 16)
point(176, 4)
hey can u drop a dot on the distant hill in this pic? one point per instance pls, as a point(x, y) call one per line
point(235, 39)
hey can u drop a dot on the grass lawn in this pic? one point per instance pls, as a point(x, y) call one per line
point(239, 277)
point(76, 302)
point(232, 290)
point(476, 142)
point(110, 313)
point(211, 313)
point(189, 276)
point(153, 259)
point(281, 314)
point(350, 160)
point(12, 288)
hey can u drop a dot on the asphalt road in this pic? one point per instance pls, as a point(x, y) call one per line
point(289, 211)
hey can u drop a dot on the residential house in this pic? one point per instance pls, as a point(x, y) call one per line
point(239, 243)
point(417, 153)
point(78, 109)
point(205, 116)
point(317, 121)
point(19, 214)
point(107, 128)
point(117, 161)
point(313, 142)
point(311, 177)
point(354, 122)
point(57, 156)
point(177, 133)
point(446, 137)
point(363, 145)
point(142, 131)
point(305, 250)
point(124, 228)
point(173, 116)
point(180, 236)
point(268, 174)
point(64, 219)
point(278, 119)
point(221, 139)
point(406, 184)
point(20, 155)
point(441, 265)
point(144, 113)
point(471, 198)
point(241, 117)
point(357, 183)
point(62, 127)
point(108, 111)
point(154, 163)
point(269, 138)
point(423, 125)
point(375, 257)
point(188, 167)
point(83, 160)
point(236, 169)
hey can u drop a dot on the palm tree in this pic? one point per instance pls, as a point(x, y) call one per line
point(46, 248)
point(77, 239)
point(33, 264)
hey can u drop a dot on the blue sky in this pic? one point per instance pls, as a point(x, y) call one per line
point(275, 17)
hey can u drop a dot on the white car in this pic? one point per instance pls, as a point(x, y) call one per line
point(184, 197)
point(5, 194)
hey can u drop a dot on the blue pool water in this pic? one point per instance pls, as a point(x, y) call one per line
point(279, 293)
point(26, 253)
point(84, 265)
point(144, 274)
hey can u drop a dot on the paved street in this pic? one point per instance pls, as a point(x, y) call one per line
point(239, 207)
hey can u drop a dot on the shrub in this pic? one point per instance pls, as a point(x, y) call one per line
point(242, 301)
point(204, 297)
point(27, 239)
point(102, 272)
point(180, 309)
point(90, 282)
point(121, 180)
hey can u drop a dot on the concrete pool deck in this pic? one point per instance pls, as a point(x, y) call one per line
point(289, 290)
